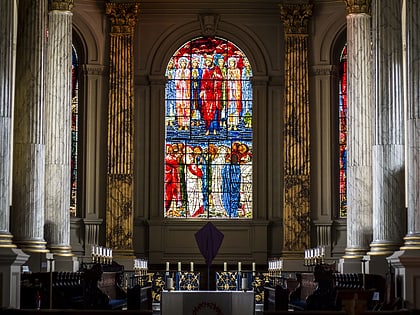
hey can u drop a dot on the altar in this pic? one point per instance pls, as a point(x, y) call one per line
point(207, 303)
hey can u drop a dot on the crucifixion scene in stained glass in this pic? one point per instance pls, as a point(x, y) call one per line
point(208, 123)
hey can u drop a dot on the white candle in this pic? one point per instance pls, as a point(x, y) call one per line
point(239, 266)
point(253, 266)
point(225, 266)
point(167, 266)
point(244, 284)
point(192, 266)
point(169, 283)
point(179, 266)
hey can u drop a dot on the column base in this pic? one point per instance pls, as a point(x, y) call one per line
point(60, 250)
point(66, 263)
point(355, 253)
point(350, 265)
point(376, 264)
point(407, 271)
point(11, 260)
point(383, 249)
point(6, 241)
point(411, 242)
point(32, 246)
point(37, 262)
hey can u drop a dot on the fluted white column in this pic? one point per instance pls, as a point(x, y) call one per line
point(359, 145)
point(388, 129)
point(412, 77)
point(58, 128)
point(8, 28)
point(29, 147)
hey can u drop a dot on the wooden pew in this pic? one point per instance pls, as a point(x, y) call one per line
point(103, 287)
point(139, 298)
point(98, 287)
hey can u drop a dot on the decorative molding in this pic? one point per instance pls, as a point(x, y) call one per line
point(209, 23)
point(123, 16)
point(94, 69)
point(324, 70)
point(358, 6)
point(295, 18)
point(61, 5)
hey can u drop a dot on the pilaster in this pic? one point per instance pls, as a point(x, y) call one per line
point(119, 210)
point(296, 137)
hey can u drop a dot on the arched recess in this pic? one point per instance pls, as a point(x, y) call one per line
point(177, 237)
point(339, 224)
point(172, 39)
point(327, 231)
point(92, 99)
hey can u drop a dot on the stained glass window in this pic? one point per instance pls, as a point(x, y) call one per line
point(74, 133)
point(208, 140)
point(342, 126)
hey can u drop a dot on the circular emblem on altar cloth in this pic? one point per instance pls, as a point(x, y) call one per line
point(206, 308)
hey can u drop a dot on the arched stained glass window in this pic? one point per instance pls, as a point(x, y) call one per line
point(342, 125)
point(74, 132)
point(208, 140)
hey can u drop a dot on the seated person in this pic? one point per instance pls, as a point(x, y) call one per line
point(324, 296)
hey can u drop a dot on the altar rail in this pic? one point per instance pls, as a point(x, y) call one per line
point(148, 312)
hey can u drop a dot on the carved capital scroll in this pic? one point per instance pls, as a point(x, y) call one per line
point(61, 5)
point(295, 18)
point(123, 16)
point(358, 6)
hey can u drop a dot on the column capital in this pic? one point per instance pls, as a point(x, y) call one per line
point(295, 17)
point(61, 5)
point(358, 6)
point(123, 16)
